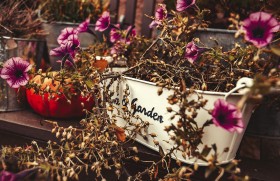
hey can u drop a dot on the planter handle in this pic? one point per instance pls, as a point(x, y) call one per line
point(242, 83)
point(242, 86)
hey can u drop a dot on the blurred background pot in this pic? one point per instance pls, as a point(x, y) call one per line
point(54, 30)
point(212, 37)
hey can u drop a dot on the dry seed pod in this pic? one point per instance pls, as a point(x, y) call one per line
point(160, 90)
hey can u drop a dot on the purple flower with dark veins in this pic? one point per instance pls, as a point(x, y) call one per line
point(130, 34)
point(59, 51)
point(182, 5)
point(65, 33)
point(227, 116)
point(103, 22)
point(192, 52)
point(69, 46)
point(131, 31)
point(161, 14)
point(15, 72)
point(83, 27)
point(115, 34)
point(72, 42)
point(259, 28)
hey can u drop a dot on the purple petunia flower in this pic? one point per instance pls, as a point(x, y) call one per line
point(7, 176)
point(114, 50)
point(68, 63)
point(192, 52)
point(118, 48)
point(83, 27)
point(68, 46)
point(259, 28)
point(181, 5)
point(72, 42)
point(227, 116)
point(161, 14)
point(59, 51)
point(115, 34)
point(65, 33)
point(103, 22)
point(130, 33)
point(154, 23)
point(15, 72)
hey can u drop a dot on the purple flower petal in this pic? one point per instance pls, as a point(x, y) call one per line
point(15, 72)
point(192, 52)
point(59, 51)
point(227, 116)
point(69, 46)
point(161, 12)
point(67, 63)
point(184, 4)
point(154, 23)
point(7, 176)
point(65, 33)
point(115, 34)
point(131, 30)
point(72, 42)
point(130, 34)
point(83, 27)
point(103, 22)
point(259, 28)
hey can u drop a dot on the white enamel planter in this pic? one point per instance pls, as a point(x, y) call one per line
point(152, 108)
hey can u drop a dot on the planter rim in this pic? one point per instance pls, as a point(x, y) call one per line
point(216, 30)
point(23, 39)
point(198, 91)
point(64, 23)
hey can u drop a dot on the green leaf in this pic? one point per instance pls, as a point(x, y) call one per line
point(90, 84)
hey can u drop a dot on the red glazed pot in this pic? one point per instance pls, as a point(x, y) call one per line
point(60, 108)
point(57, 107)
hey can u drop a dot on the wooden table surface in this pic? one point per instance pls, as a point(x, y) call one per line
point(21, 127)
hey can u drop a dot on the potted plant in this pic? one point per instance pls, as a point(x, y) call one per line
point(179, 61)
point(64, 93)
point(178, 67)
point(21, 34)
point(58, 15)
point(223, 28)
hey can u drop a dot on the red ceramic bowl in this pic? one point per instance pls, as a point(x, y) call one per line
point(58, 108)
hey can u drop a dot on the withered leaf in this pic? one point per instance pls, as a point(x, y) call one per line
point(161, 152)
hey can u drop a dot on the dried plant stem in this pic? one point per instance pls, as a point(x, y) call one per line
point(143, 55)
point(139, 175)
point(6, 29)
